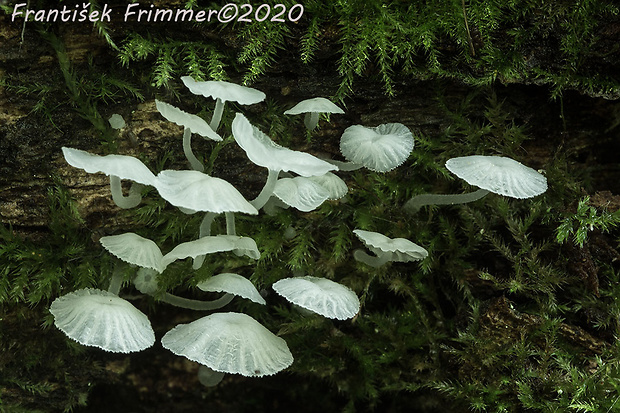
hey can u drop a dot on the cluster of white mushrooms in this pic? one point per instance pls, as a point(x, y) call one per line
point(233, 342)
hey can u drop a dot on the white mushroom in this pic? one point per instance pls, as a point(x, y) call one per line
point(117, 167)
point(313, 108)
point(101, 319)
point(191, 124)
point(231, 343)
point(379, 149)
point(223, 92)
point(200, 192)
point(500, 175)
point(232, 284)
point(264, 152)
point(387, 249)
point(301, 193)
point(319, 295)
point(134, 249)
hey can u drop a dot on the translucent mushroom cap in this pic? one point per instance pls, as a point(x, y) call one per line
point(266, 153)
point(232, 284)
point(192, 122)
point(231, 343)
point(116, 121)
point(500, 175)
point(225, 91)
point(134, 249)
point(101, 319)
point(301, 193)
point(314, 105)
point(211, 244)
point(125, 167)
point(379, 149)
point(200, 192)
point(320, 295)
point(335, 186)
point(398, 249)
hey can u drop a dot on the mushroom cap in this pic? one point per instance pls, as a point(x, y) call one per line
point(225, 91)
point(314, 105)
point(194, 123)
point(300, 192)
point(125, 167)
point(264, 152)
point(399, 249)
point(336, 187)
point(134, 249)
point(232, 284)
point(211, 244)
point(500, 175)
point(200, 192)
point(379, 149)
point(231, 343)
point(320, 295)
point(101, 319)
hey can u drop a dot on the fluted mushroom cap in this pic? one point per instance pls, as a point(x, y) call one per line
point(134, 249)
point(125, 167)
point(301, 193)
point(319, 295)
point(398, 249)
point(379, 149)
point(500, 175)
point(264, 152)
point(192, 122)
point(232, 284)
point(231, 343)
point(225, 91)
point(200, 192)
point(101, 319)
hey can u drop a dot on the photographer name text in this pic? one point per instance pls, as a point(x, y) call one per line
point(231, 12)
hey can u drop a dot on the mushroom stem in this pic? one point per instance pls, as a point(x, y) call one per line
point(311, 120)
point(345, 166)
point(116, 282)
point(217, 114)
point(230, 223)
point(187, 149)
point(205, 231)
point(267, 190)
point(417, 202)
point(125, 202)
point(374, 262)
point(196, 304)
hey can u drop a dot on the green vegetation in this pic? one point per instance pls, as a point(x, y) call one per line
point(515, 309)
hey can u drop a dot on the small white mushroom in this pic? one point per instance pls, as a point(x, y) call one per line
point(312, 109)
point(232, 284)
point(223, 92)
point(101, 319)
point(117, 167)
point(497, 174)
point(264, 152)
point(231, 343)
point(319, 295)
point(379, 149)
point(116, 121)
point(191, 124)
point(301, 193)
point(335, 186)
point(387, 249)
point(200, 192)
point(134, 249)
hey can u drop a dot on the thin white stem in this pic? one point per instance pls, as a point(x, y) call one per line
point(311, 120)
point(217, 114)
point(417, 202)
point(205, 231)
point(230, 223)
point(267, 190)
point(189, 154)
point(374, 262)
point(197, 304)
point(116, 282)
point(125, 202)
